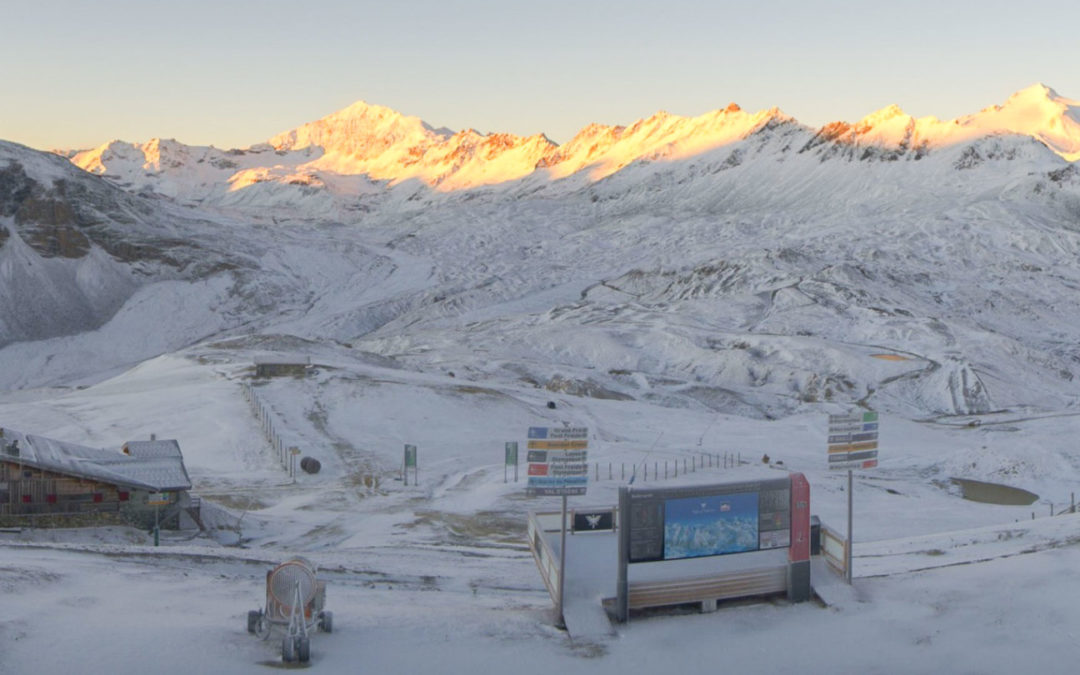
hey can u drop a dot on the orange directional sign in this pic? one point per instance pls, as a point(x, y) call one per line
point(558, 445)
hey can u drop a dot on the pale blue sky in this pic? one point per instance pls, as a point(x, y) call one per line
point(79, 73)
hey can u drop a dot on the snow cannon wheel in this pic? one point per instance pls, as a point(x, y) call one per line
point(288, 649)
point(262, 627)
point(253, 620)
point(303, 650)
point(326, 622)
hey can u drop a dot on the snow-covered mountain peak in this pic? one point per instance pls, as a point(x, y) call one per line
point(886, 114)
point(1037, 111)
point(361, 131)
point(1037, 92)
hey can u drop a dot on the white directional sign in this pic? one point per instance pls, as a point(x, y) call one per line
point(558, 461)
point(853, 441)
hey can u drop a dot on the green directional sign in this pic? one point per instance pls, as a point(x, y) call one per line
point(410, 456)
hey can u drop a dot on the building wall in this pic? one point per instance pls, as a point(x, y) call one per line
point(281, 369)
point(31, 496)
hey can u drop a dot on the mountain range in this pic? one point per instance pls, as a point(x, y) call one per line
point(354, 154)
point(738, 262)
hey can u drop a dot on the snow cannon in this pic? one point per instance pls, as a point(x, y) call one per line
point(294, 601)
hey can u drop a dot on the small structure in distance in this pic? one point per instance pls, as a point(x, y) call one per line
point(282, 366)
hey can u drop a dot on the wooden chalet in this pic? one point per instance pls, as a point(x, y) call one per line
point(48, 482)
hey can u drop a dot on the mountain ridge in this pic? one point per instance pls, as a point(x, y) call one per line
point(335, 166)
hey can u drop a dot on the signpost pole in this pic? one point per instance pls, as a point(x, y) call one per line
point(558, 465)
point(156, 526)
point(852, 443)
point(847, 549)
point(622, 588)
point(562, 563)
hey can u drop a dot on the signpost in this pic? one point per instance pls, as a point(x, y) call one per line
point(853, 444)
point(410, 461)
point(293, 452)
point(157, 499)
point(511, 458)
point(558, 466)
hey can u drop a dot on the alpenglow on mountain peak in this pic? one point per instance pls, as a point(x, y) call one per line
point(365, 143)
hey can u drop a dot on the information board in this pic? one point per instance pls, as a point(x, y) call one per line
point(692, 522)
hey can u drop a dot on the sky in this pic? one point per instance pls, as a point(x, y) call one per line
point(77, 74)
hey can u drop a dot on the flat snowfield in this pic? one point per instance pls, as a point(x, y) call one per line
point(437, 577)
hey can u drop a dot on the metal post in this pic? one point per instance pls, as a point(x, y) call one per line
point(562, 563)
point(156, 525)
point(622, 609)
point(850, 543)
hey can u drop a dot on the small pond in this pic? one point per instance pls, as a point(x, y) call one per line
point(994, 493)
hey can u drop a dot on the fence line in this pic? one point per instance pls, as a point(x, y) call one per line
point(265, 417)
point(670, 467)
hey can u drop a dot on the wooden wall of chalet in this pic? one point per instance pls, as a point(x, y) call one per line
point(26, 490)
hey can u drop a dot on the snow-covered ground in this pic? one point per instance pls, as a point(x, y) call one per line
point(694, 301)
point(437, 577)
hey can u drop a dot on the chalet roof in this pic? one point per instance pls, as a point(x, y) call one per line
point(151, 465)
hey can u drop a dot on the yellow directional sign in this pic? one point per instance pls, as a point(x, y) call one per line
point(853, 447)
